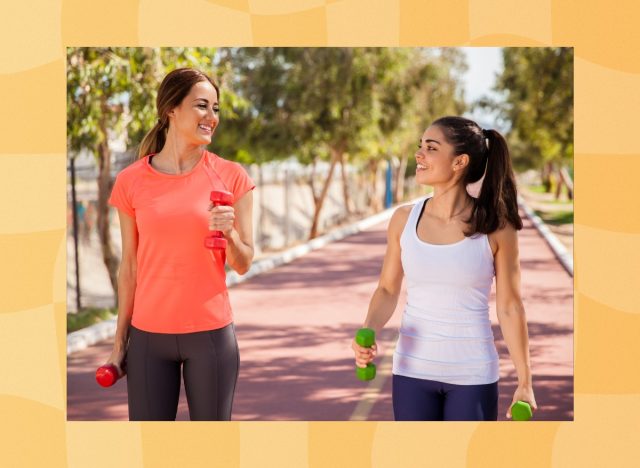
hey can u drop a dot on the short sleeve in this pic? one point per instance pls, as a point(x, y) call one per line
point(241, 183)
point(120, 197)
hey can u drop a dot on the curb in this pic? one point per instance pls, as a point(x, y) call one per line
point(82, 339)
point(560, 251)
point(286, 256)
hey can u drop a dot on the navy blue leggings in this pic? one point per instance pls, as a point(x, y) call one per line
point(428, 400)
point(209, 361)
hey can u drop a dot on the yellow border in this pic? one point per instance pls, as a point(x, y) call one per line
point(34, 34)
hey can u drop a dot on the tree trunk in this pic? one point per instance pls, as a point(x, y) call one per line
point(375, 204)
point(104, 190)
point(105, 185)
point(345, 185)
point(319, 201)
point(545, 177)
point(559, 184)
point(566, 178)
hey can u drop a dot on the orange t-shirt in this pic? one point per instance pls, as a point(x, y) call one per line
point(180, 284)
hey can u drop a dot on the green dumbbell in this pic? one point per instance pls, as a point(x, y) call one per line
point(366, 338)
point(521, 411)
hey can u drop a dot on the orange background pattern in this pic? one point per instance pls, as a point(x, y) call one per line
point(33, 427)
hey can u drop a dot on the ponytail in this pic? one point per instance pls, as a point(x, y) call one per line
point(153, 141)
point(497, 202)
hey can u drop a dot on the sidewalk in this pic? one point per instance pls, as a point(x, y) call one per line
point(295, 325)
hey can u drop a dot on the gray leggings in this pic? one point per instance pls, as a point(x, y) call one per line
point(210, 362)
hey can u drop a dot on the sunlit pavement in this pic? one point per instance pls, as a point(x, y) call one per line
point(295, 325)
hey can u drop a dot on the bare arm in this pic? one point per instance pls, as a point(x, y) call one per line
point(385, 298)
point(240, 245)
point(236, 223)
point(510, 310)
point(126, 285)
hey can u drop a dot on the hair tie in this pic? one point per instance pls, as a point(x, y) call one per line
point(485, 135)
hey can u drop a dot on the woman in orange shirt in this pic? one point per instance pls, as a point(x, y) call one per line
point(174, 309)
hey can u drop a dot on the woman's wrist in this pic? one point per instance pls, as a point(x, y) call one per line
point(120, 343)
point(232, 235)
point(119, 347)
point(376, 329)
point(525, 381)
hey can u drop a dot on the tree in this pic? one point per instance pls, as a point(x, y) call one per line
point(331, 87)
point(538, 87)
point(358, 105)
point(311, 103)
point(258, 127)
point(111, 91)
point(367, 104)
point(416, 87)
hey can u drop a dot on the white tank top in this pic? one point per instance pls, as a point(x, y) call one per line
point(445, 334)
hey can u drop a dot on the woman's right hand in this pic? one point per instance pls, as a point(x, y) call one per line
point(117, 359)
point(364, 355)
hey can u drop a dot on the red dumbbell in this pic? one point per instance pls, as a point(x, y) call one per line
point(215, 239)
point(109, 375)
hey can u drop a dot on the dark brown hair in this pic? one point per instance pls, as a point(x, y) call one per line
point(497, 202)
point(173, 89)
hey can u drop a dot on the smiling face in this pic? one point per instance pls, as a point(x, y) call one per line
point(437, 163)
point(197, 116)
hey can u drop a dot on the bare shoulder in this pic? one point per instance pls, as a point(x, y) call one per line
point(399, 219)
point(505, 237)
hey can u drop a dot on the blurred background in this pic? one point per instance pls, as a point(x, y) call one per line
point(327, 134)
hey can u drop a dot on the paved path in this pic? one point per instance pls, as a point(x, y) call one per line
point(295, 325)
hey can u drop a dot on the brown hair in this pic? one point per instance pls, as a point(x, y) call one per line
point(497, 202)
point(173, 89)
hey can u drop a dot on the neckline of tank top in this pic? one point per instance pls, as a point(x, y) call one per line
point(461, 241)
point(205, 154)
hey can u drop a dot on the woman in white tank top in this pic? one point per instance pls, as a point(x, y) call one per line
point(449, 247)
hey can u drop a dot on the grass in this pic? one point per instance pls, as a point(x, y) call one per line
point(541, 190)
point(556, 218)
point(560, 202)
point(88, 317)
point(537, 188)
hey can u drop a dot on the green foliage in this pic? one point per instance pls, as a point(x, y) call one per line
point(88, 317)
point(275, 102)
point(118, 86)
point(258, 128)
point(537, 84)
point(556, 218)
point(419, 86)
point(365, 102)
point(537, 188)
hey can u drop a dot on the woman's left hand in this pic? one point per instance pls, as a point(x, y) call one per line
point(221, 218)
point(523, 393)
